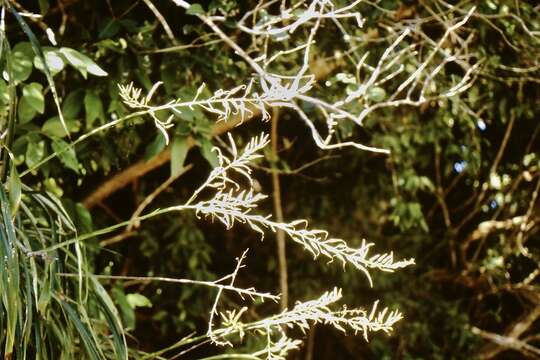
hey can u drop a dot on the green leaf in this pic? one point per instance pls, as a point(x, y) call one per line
point(84, 218)
point(109, 28)
point(21, 61)
point(128, 315)
point(72, 105)
point(179, 149)
point(38, 51)
point(25, 112)
point(195, 9)
point(34, 153)
point(4, 93)
point(67, 157)
point(155, 147)
point(376, 94)
point(54, 61)
point(43, 6)
point(53, 127)
point(138, 300)
point(111, 315)
point(14, 188)
point(84, 333)
point(82, 62)
point(209, 155)
point(52, 187)
point(33, 94)
point(93, 108)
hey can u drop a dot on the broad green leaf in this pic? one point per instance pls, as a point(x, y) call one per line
point(34, 153)
point(33, 94)
point(38, 51)
point(82, 62)
point(93, 108)
point(138, 300)
point(72, 104)
point(67, 157)
point(376, 94)
point(195, 9)
point(54, 127)
point(25, 111)
point(155, 147)
point(209, 155)
point(21, 61)
point(54, 61)
point(179, 149)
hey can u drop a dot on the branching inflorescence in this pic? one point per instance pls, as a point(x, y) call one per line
point(405, 73)
point(233, 202)
point(302, 316)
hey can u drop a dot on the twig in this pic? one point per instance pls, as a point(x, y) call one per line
point(118, 238)
point(278, 210)
point(162, 21)
point(511, 339)
point(492, 171)
point(214, 311)
point(133, 223)
point(214, 284)
point(310, 343)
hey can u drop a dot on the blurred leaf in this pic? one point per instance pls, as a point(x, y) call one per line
point(82, 329)
point(93, 108)
point(111, 315)
point(72, 104)
point(195, 9)
point(53, 127)
point(34, 153)
point(25, 111)
point(52, 186)
point(43, 6)
point(209, 155)
point(128, 314)
point(67, 157)
point(33, 95)
point(138, 300)
point(14, 188)
point(179, 149)
point(109, 28)
point(155, 147)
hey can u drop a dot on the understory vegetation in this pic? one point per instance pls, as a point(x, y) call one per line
point(270, 179)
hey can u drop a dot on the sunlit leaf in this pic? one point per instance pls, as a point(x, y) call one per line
point(33, 95)
point(82, 62)
point(138, 300)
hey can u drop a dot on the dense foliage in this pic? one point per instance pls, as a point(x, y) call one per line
point(458, 191)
